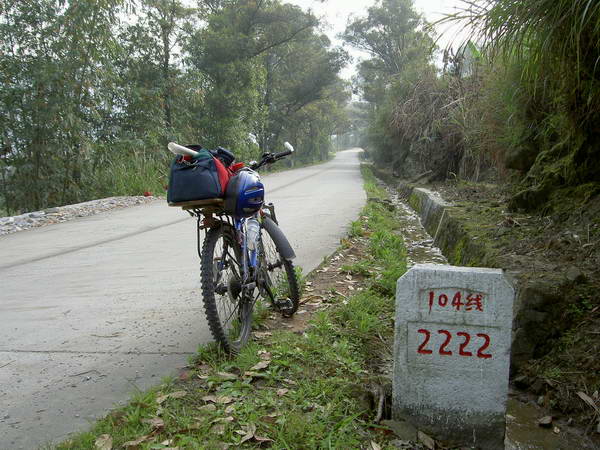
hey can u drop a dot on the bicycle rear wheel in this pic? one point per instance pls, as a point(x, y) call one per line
point(228, 311)
point(278, 281)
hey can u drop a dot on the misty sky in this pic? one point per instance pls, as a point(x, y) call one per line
point(337, 12)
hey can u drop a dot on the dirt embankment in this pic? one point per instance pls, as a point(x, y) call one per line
point(554, 259)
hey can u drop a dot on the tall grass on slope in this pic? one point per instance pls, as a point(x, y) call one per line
point(562, 36)
point(556, 43)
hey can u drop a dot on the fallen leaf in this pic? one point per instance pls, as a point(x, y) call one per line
point(261, 365)
point(209, 408)
point(167, 442)
point(104, 442)
point(426, 440)
point(375, 446)
point(254, 374)
point(156, 423)
point(227, 375)
point(249, 433)
point(218, 429)
point(209, 398)
point(545, 422)
point(312, 299)
point(224, 399)
point(135, 444)
point(351, 288)
point(589, 400)
point(288, 381)
point(179, 394)
point(268, 419)
point(556, 430)
point(262, 439)
point(349, 278)
point(223, 419)
point(229, 410)
point(262, 334)
point(281, 392)
point(266, 356)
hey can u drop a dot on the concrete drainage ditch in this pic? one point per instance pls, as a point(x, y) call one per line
point(430, 233)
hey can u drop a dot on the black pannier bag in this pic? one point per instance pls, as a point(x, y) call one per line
point(197, 179)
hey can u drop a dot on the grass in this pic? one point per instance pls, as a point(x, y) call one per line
point(362, 268)
point(288, 390)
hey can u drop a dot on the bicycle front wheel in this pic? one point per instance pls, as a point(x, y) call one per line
point(279, 281)
point(228, 311)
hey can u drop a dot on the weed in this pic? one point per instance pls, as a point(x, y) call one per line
point(356, 229)
point(362, 268)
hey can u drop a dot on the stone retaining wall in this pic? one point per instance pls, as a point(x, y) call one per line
point(536, 318)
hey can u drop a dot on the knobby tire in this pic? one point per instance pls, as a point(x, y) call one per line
point(238, 312)
point(292, 285)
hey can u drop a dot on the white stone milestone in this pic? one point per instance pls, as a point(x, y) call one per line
point(452, 352)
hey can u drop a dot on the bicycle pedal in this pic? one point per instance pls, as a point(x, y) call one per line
point(284, 305)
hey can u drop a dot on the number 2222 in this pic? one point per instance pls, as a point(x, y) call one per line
point(462, 349)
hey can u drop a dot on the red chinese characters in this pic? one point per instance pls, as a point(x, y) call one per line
point(472, 302)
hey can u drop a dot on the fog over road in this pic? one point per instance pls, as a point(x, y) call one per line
point(95, 308)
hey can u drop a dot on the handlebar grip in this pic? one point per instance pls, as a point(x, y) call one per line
point(282, 154)
point(181, 150)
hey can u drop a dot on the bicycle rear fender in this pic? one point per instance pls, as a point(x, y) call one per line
point(281, 242)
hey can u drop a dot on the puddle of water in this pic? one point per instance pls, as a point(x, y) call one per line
point(522, 430)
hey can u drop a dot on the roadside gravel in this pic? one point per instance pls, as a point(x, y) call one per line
point(59, 214)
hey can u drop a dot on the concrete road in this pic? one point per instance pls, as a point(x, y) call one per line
point(94, 309)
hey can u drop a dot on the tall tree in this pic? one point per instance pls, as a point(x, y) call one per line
point(229, 51)
point(395, 37)
point(56, 61)
point(301, 76)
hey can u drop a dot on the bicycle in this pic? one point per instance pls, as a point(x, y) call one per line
point(244, 256)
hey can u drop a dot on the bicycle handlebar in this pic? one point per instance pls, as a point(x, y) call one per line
point(283, 154)
point(269, 158)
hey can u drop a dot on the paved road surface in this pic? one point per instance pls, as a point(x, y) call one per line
point(93, 309)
